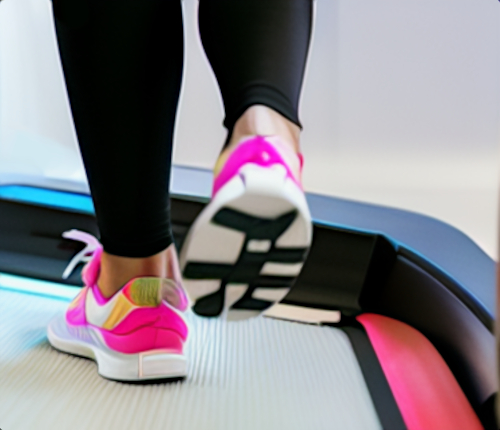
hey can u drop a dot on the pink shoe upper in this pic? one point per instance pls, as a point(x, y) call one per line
point(143, 315)
point(256, 150)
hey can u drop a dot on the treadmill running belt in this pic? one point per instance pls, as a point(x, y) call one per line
point(254, 374)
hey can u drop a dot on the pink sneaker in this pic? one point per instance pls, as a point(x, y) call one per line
point(137, 334)
point(246, 248)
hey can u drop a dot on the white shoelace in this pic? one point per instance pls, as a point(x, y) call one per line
point(85, 255)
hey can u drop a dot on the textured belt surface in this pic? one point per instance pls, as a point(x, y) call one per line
point(254, 374)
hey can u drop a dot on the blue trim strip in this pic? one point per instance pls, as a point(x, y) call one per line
point(46, 197)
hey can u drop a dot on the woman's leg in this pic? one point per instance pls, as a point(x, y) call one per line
point(258, 216)
point(258, 51)
point(122, 61)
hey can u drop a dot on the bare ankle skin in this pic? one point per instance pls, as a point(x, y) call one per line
point(264, 121)
point(117, 271)
point(259, 120)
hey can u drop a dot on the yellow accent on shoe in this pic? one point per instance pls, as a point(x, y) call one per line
point(146, 291)
point(121, 309)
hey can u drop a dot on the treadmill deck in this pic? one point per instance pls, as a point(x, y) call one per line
point(254, 374)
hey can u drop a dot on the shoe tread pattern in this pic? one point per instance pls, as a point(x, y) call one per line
point(247, 268)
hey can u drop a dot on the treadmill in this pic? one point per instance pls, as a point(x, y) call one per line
point(388, 326)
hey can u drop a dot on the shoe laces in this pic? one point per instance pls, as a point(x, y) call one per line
point(85, 255)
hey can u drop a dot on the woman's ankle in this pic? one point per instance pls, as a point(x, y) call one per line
point(116, 271)
point(260, 120)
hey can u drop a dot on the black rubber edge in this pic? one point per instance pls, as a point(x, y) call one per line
point(380, 391)
point(445, 246)
point(344, 268)
point(464, 295)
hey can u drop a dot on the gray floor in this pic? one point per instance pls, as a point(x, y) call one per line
point(257, 374)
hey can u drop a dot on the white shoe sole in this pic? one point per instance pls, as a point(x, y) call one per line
point(248, 245)
point(87, 342)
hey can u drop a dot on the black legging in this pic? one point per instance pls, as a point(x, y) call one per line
point(122, 61)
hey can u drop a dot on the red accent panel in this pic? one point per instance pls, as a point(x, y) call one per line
point(425, 390)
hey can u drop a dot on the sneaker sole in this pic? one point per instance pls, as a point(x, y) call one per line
point(87, 342)
point(246, 248)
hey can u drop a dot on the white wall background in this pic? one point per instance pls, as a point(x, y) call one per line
point(401, 105)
